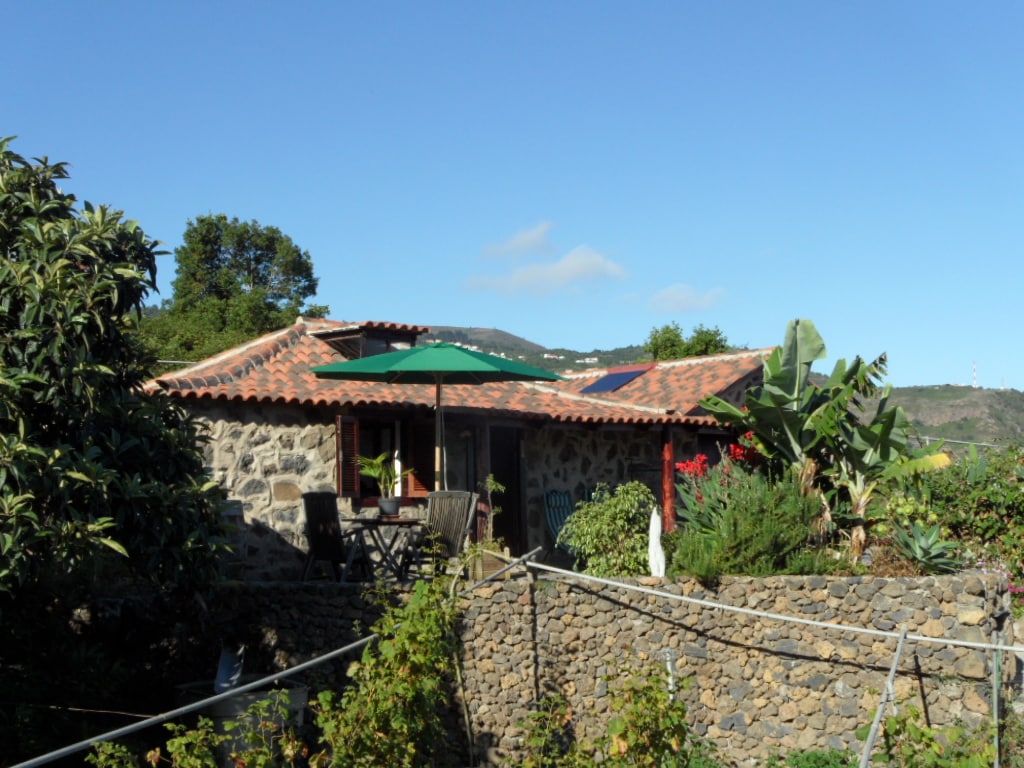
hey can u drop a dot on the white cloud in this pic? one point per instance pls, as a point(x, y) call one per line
point(533, 240)
point(683, 298)
point(580, 264)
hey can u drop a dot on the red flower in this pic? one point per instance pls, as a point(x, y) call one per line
point(695, 467)
point(744, 452)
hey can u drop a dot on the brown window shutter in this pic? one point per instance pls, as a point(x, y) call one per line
point(421, 481)
point(347, 434)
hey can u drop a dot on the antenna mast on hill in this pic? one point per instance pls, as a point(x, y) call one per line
point(974, 365)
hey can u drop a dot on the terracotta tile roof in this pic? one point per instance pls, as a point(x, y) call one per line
point(276, 369)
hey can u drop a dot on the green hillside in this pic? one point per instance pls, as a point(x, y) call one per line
point(964, 413)
point(556, 359)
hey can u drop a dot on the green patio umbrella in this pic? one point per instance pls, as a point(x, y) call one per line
point(436, 364)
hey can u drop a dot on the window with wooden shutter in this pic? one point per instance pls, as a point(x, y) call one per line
point(421, 481)
point(347, 434)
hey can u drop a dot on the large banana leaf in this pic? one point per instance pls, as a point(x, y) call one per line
point(785, 413)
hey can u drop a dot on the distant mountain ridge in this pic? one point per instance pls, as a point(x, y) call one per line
point(955, 413)
point(556, 359)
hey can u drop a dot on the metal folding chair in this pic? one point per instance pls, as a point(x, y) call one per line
point(557, 508)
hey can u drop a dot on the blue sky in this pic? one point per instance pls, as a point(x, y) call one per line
point(576, 173)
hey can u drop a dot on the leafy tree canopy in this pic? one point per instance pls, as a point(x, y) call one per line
point(94, 473)
point(102, 485)
point(668, 342)
point(236, 280)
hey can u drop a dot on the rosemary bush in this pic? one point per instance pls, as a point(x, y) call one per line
point(736, 521)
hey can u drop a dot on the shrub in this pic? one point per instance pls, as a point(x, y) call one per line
point(609, 534)
point(391, 714)
point(814, 758)
point(979, 500)
point(908, 743)
point(649, 727)
point(736, 521)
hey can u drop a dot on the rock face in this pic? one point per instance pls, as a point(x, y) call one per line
point(754, 685)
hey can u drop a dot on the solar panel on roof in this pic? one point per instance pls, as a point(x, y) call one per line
point(611, 381)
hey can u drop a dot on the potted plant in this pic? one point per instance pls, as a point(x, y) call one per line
point(382, 469)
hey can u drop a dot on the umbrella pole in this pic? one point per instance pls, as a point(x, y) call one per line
point(438, 467)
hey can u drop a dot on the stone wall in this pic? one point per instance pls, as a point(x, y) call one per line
point(753, 685)
point(576, 460)
point(267, 455)
point(757, 684)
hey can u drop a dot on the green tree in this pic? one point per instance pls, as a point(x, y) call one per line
point(668, 342)
point(236, 280)
point(99, 480)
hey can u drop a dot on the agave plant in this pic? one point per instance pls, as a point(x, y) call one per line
point(926, 547)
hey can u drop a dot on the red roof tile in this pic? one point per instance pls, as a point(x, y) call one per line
point(276, 369)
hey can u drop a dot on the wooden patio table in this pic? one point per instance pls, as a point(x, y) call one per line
point(389, 536)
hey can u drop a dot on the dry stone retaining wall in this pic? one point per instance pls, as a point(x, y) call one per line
point(754, 685)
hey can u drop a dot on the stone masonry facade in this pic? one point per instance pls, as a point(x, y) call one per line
point(266, 456)
point(754, 685)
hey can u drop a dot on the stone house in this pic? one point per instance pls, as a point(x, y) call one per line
point(277, 431)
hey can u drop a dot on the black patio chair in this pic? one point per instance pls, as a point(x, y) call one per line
point(327, 543)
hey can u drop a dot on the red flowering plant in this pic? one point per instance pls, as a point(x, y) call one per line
point(702, 485)
point(735, 518)
point(745, 451)
point(695, 467)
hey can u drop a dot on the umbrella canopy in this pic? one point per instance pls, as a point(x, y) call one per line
point(436, 364)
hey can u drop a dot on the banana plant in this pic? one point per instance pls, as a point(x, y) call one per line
point(784, 413)
point(823, 431)
point(869, 449)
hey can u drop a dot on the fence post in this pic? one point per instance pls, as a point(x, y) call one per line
point(887, 695)
point(996, 688)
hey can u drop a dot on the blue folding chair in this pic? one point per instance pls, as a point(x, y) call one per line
point(557, 507)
